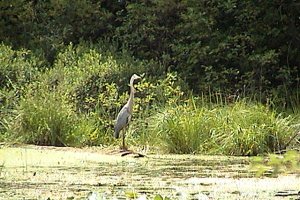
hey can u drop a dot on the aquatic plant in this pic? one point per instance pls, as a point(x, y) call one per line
point(273, 165)
point(240, 128)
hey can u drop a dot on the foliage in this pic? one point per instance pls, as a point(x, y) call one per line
point(234, 129)
point(51, 24)
point(228, 46)
point(149, 32)
point(17, 69)
point(48, 114)
point(76, 101)
point(274, 164)
point(82, 54)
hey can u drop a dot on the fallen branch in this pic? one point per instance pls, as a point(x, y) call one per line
point(292, 138)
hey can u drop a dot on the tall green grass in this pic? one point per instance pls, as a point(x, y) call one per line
point(233, 129)
point(44, 119)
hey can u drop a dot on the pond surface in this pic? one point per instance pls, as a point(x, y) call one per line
point(31, 172)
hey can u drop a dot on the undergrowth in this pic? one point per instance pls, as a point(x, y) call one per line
point(75, 102)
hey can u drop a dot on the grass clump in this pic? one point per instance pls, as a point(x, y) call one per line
point(235, 129)
point(44, 119)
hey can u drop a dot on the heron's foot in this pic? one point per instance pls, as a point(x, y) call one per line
point(123, 149)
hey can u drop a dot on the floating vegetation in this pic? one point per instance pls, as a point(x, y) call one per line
point(68, 173)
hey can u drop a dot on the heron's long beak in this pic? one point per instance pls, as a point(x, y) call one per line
point(142, 75)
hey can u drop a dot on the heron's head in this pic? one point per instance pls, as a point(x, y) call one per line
point(133, 78)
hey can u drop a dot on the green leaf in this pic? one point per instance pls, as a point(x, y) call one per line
point(131, 194)
point(158, 197)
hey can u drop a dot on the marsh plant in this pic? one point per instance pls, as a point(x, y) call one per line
point(273, 165)
point(240, 128)
point(43, 119)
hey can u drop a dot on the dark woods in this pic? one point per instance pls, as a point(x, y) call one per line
point(244, 47)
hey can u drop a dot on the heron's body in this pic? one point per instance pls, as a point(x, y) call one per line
point(123, 119)
point(125, 114)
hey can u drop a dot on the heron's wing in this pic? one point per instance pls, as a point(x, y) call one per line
point(122, 119)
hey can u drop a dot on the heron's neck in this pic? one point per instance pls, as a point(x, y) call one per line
point(131, 97)
point(132, 89)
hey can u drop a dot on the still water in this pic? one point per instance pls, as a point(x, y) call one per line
point(31, 172)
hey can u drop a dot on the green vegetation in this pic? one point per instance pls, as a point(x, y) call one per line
point(273, 165)
point(235, 129)
point(220, 77)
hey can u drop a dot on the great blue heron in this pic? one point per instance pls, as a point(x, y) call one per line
point(125, 114)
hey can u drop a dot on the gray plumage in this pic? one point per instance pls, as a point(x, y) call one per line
point(123, 119)
point(125, 114)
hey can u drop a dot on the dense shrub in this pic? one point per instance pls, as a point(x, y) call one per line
point(49, 114)
point(52, 24)
point(77, 100)
point(214, 45)
point(17, 69)
point(149, 32)
point(238, 45)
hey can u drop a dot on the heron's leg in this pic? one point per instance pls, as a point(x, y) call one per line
point(123, 139)
point(123, 148)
